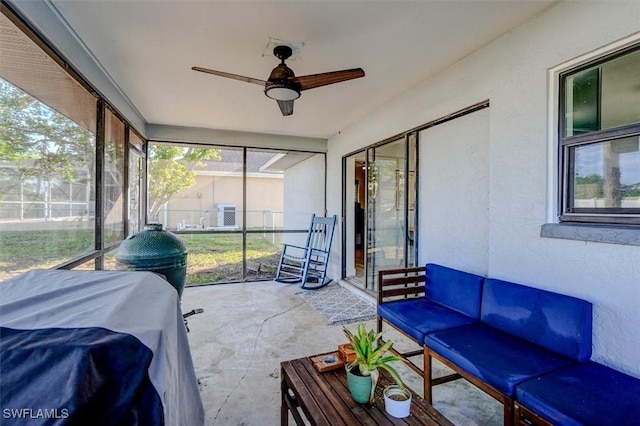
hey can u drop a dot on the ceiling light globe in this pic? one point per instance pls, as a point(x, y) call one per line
point(282, 93)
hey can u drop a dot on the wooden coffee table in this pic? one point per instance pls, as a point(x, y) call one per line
point(324, 399)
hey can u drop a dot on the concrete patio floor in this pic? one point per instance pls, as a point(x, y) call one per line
point(247, 329)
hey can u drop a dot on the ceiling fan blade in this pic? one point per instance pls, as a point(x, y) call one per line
point(326, 78)
point(286, 107)
point(229, 75)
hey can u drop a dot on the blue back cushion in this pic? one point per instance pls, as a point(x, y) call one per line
point(554, 321)
point(457, 290)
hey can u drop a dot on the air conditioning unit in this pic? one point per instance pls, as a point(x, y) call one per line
point(225, 214)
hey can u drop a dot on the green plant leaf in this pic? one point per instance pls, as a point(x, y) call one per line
point(394, 374)
point(371, 355)
point(374, 382)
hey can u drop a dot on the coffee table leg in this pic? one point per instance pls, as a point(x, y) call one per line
point(284, 409)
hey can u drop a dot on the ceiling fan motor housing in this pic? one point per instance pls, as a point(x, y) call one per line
point(281, 84)
point(280, 73)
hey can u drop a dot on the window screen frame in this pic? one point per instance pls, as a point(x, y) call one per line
point(567, 212)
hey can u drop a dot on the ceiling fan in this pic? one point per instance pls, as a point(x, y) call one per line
point(283, 86)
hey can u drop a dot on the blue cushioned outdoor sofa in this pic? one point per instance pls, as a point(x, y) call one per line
point(585, 393)
point(421, 300)
point(510, 340)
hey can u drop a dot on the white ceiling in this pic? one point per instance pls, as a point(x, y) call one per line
point(149, 46)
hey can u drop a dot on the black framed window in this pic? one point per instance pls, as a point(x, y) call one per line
point(600, 140)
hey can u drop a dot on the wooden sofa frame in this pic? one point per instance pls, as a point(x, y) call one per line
point(412, 285)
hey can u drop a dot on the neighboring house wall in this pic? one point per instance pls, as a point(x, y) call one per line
point(264, 201)
point(303, 196)
point(512, 170)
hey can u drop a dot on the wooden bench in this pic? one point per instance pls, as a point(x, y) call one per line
point(417, 301)
point(496, 334)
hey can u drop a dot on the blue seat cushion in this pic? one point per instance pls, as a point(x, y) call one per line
point(586, 393)
point(419, 316)
point(494, 357)
point(457, 290)
point(554, 321)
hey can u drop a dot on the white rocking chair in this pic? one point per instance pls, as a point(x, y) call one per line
point(308, 264)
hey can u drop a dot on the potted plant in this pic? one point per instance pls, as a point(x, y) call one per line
point(362, 372)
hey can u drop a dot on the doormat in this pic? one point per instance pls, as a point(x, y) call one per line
point(339, 305)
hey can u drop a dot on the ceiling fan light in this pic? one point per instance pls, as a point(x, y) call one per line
point(280, 92)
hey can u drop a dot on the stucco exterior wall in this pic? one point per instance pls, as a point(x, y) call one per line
point(303, 196)
point(454, 194)
point(264, 201)
point(513, 73)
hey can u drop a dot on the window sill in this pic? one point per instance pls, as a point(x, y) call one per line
point(624, 235)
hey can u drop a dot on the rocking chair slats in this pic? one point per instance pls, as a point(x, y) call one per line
point(308, 265)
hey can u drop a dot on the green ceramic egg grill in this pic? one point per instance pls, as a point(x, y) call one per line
point(157, 250)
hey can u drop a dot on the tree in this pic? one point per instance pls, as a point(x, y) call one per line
point(592, 178)
point(38, 142)
point(171, 168)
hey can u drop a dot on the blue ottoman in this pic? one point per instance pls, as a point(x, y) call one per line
point(586, 393)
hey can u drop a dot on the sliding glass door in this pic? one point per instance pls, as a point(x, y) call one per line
point(381, 224)
point(385, 209)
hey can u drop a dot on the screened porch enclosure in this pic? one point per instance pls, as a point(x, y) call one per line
point(76, 179)
point(234, 207)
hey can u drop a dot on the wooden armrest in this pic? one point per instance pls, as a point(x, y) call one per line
point(400, 282)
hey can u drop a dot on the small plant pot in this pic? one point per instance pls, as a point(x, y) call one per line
point(360, 387)
point(397, 401)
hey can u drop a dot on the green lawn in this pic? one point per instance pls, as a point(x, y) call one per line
point(218, 258)
point(211, 257)
point(24, 250)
